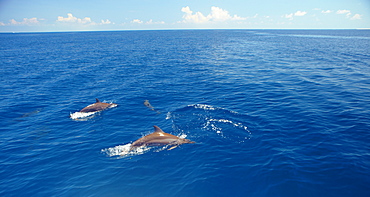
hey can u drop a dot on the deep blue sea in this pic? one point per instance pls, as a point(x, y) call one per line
point(273, 113)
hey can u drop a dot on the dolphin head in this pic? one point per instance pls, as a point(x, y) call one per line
point(185, 141)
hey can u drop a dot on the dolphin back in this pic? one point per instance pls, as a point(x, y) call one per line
point(160, 138)
point(98, 106)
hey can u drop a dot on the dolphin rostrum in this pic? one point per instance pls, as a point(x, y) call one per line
point(98, 106)
point(160, 138)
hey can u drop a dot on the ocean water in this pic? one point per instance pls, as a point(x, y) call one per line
point(272, 112)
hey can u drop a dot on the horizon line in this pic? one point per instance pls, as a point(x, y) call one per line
point(174, 29)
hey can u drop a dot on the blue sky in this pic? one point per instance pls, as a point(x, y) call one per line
point(91, 15)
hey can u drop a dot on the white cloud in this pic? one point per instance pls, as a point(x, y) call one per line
point(289, 16)
point(73, 19)
point(150, 22)
point(2, 24)
point(81, 21)
point(217, 15)
point(326, 12)
point(137, 21)
point(26, 21)
point(186, 10)
point(300, 13)
point(107, 22)
point(348, 14)
point(356, 17)
point(189, 17)
point(343, 11)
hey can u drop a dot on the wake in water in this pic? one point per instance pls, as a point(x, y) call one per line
point(225, 123)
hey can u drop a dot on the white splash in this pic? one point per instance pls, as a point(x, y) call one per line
point(81, 115)
point(113, 105)
point(168, 116)
point(203, 106)
point(183, 136)
point(117, 150)
point(124, 150)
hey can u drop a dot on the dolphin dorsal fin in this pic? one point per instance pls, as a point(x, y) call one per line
point(157, 129)
point(97, 100)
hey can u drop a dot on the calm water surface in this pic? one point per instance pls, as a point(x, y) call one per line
point(273, 112)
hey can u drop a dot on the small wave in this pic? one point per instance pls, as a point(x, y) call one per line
point(330, 36)
point(228, 129)
point(237, 124)
point(210, 107)
point(228, 124)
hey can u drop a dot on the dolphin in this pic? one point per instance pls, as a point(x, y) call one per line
point(147, 104)
point(91, 109)
point(28, 114)
point(98, 106)
point(25, 115)
point(160, 138)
